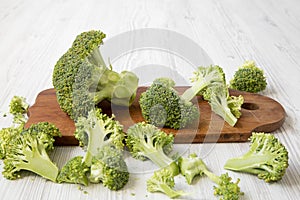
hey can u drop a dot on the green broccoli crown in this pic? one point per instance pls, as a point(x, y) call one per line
point(82, 80)
point(267, 158)
point(228, 107)
point(145, 141)
point(74, 171)
point(27, 152)
point(45, 132)
point(109, 167)
point(162, 106)
point(97, 131)
point(163, 181)
point(249, 78)
point(193, 166)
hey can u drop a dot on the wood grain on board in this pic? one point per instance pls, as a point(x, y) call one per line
point(259, 113)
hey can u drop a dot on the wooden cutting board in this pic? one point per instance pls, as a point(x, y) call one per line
point(259, 113)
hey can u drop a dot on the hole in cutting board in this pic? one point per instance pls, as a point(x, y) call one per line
point(250, 106)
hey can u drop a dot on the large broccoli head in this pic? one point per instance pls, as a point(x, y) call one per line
point(82, 80)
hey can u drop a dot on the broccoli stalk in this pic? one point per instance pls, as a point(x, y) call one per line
point(163, 181)
point(267, 158)
point(145, 141)
point(82, 80)
point(102, 137)
point(193, 166)
point(27, 152)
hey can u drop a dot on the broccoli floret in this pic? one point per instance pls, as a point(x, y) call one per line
point(249, 78)
point(27, 152)
point(163, 181)
point(109, 167)
point(193, 166)
point(7, 135)
point(45, 132)
point(103, 137)
point(74, 171)
point(18, 107)
point(161, 105)
point(228, 107)
point(82, 79)
point(267, 158)
point(145, 141)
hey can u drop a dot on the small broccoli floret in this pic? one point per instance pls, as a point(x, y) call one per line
point(145, 141)
point(45, 132)
point(249, 78)
point(109, 167)
point(82, 79)
point(74, 171)
point(193, 166)
point(18, 107)
point(161, 105)
point(27, 152)
point(267, 158)
point(163, 181)
point(228, 107)
point(102, 137)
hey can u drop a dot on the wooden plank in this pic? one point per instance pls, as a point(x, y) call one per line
point(259, 113)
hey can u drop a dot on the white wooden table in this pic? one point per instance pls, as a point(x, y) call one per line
point(34, 34)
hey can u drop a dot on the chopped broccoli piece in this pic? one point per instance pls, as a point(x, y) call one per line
point(163, 181)
point(228, 107)
point(145, 141)
point(82, 80)
point(7, 135)
point(267, 158)
point(109, 167)
point(74, 171)
point(249, 78)
point(103, 137)
point(193, 166)
point(18, 107)
point(45, 132)
point(27, 152)
point(162, 106)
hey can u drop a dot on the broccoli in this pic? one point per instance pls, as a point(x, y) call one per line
point(145, 141)
point(74, 171)
point(224, 105)
point(163, 181)
point(102, 137)
point(161, 105)
point(109, 167)
point(249, 78)
point(82, 80)
point(267, 158)
point(27, 152)
point(7, 135)
point(18, 107)
point(193, 166)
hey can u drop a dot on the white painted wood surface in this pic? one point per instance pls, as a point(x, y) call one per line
point(34, 34)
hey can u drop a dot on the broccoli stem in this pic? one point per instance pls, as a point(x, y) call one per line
point(190, 93)
point(250, 164)
point(226, 114)
point(169, 191)
point(39, 163)
point(212, 176)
